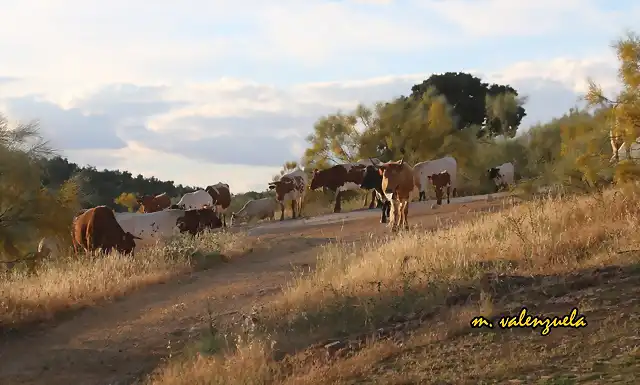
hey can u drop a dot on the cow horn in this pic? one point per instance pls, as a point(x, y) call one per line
point(402, 160)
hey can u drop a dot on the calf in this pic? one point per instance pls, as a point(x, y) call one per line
point(195, 200)
point(439, 181)
point(397, 185)
point(196, 221)
point(423, 170)
point(152, 204)
point(221, 196)
point(256, 208)
point(291, 187)
point(372, 180)
point(502, 175)
point(97, 228)
point(339, 178)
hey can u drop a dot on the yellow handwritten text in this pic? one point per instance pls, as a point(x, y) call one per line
point(523, 320)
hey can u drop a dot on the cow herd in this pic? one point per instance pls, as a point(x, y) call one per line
point(390, 183)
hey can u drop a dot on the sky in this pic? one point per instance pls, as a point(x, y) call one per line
point(203, 91)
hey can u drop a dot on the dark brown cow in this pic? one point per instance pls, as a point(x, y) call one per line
point(340, 178)
point(439, 181)
point(196, 221)
point(97, 228)
point(290, 187)
point(221, 196)
point(151, 204)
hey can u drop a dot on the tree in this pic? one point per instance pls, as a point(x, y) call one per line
point(502, 113)
point(335, 139)
point(623, 111)
point(467, 95)
point(25, 205)
point(128, 200)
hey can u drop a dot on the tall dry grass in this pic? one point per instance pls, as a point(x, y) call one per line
point(71, 282)
point(356, 288)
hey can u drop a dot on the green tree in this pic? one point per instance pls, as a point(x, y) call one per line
point(335, 139)
point(467, 95)
point(502, 113)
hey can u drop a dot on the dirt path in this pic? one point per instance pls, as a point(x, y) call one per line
point(119, 341)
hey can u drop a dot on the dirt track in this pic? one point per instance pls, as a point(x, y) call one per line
point(117, 342)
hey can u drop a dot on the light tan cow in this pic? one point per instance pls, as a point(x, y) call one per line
point(397, 185)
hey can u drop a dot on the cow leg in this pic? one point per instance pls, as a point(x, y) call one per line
point(293, 208)
point(282, 211)
point(454, 193)
point(448, 193)
point(337, 207)
point(405, 213)
point(374, 198)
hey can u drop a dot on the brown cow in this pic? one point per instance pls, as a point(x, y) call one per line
point(195, 221)
point(397, 185)
point(440, 180)
point(290, 187)
point(340, 178)
point(151, 204)
point(97, 228)
point(221, 196)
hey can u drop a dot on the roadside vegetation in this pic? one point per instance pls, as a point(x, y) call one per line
point(399, 310)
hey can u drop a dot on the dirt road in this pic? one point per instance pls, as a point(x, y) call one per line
point(118, 342)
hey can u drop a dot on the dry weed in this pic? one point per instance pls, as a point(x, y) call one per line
point(70, 282)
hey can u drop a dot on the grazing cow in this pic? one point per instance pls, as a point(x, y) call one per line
point(221, 196)
point(97, 228)
point(339, 178)
point(397, 185)
point(195, 200)
point(291, 187)
point(153, 228)
point(152, 204)
point(196, 221)
point(256, 208)
point(439, 181)
point(370, 162)
point(372, 180)
point(502, 175)
point(423, 170)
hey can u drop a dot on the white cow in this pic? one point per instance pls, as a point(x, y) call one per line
point(633, 151)
point(49, 247)
point(257, 208)
point(422, 171)
point(502, 175)
point(152, 228)
point(195, 200)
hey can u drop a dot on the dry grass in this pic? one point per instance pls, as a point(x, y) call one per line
point(532, 255)
point(67, 283)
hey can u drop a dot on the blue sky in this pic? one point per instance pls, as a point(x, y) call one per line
point(207, 91)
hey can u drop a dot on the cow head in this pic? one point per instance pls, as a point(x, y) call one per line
point(493, 172)
point(371, 179)
point(127, 243)
point(391, 173)
point(439, 181)
point(189, 222)
point(317, 179)
point(282, 187)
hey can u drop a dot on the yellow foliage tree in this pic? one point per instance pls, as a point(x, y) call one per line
point(128, 200)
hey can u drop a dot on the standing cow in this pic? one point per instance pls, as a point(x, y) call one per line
point(372, 180)
point(502, 175)
point(97, 228)
point(256, 208)
point(339, 178)
point(397, 185)
point(440, 181)
point(423, 170)
point(195, 200)
point(221, 197)
point(152, 204)
point(370, 162)
point(291, 187)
